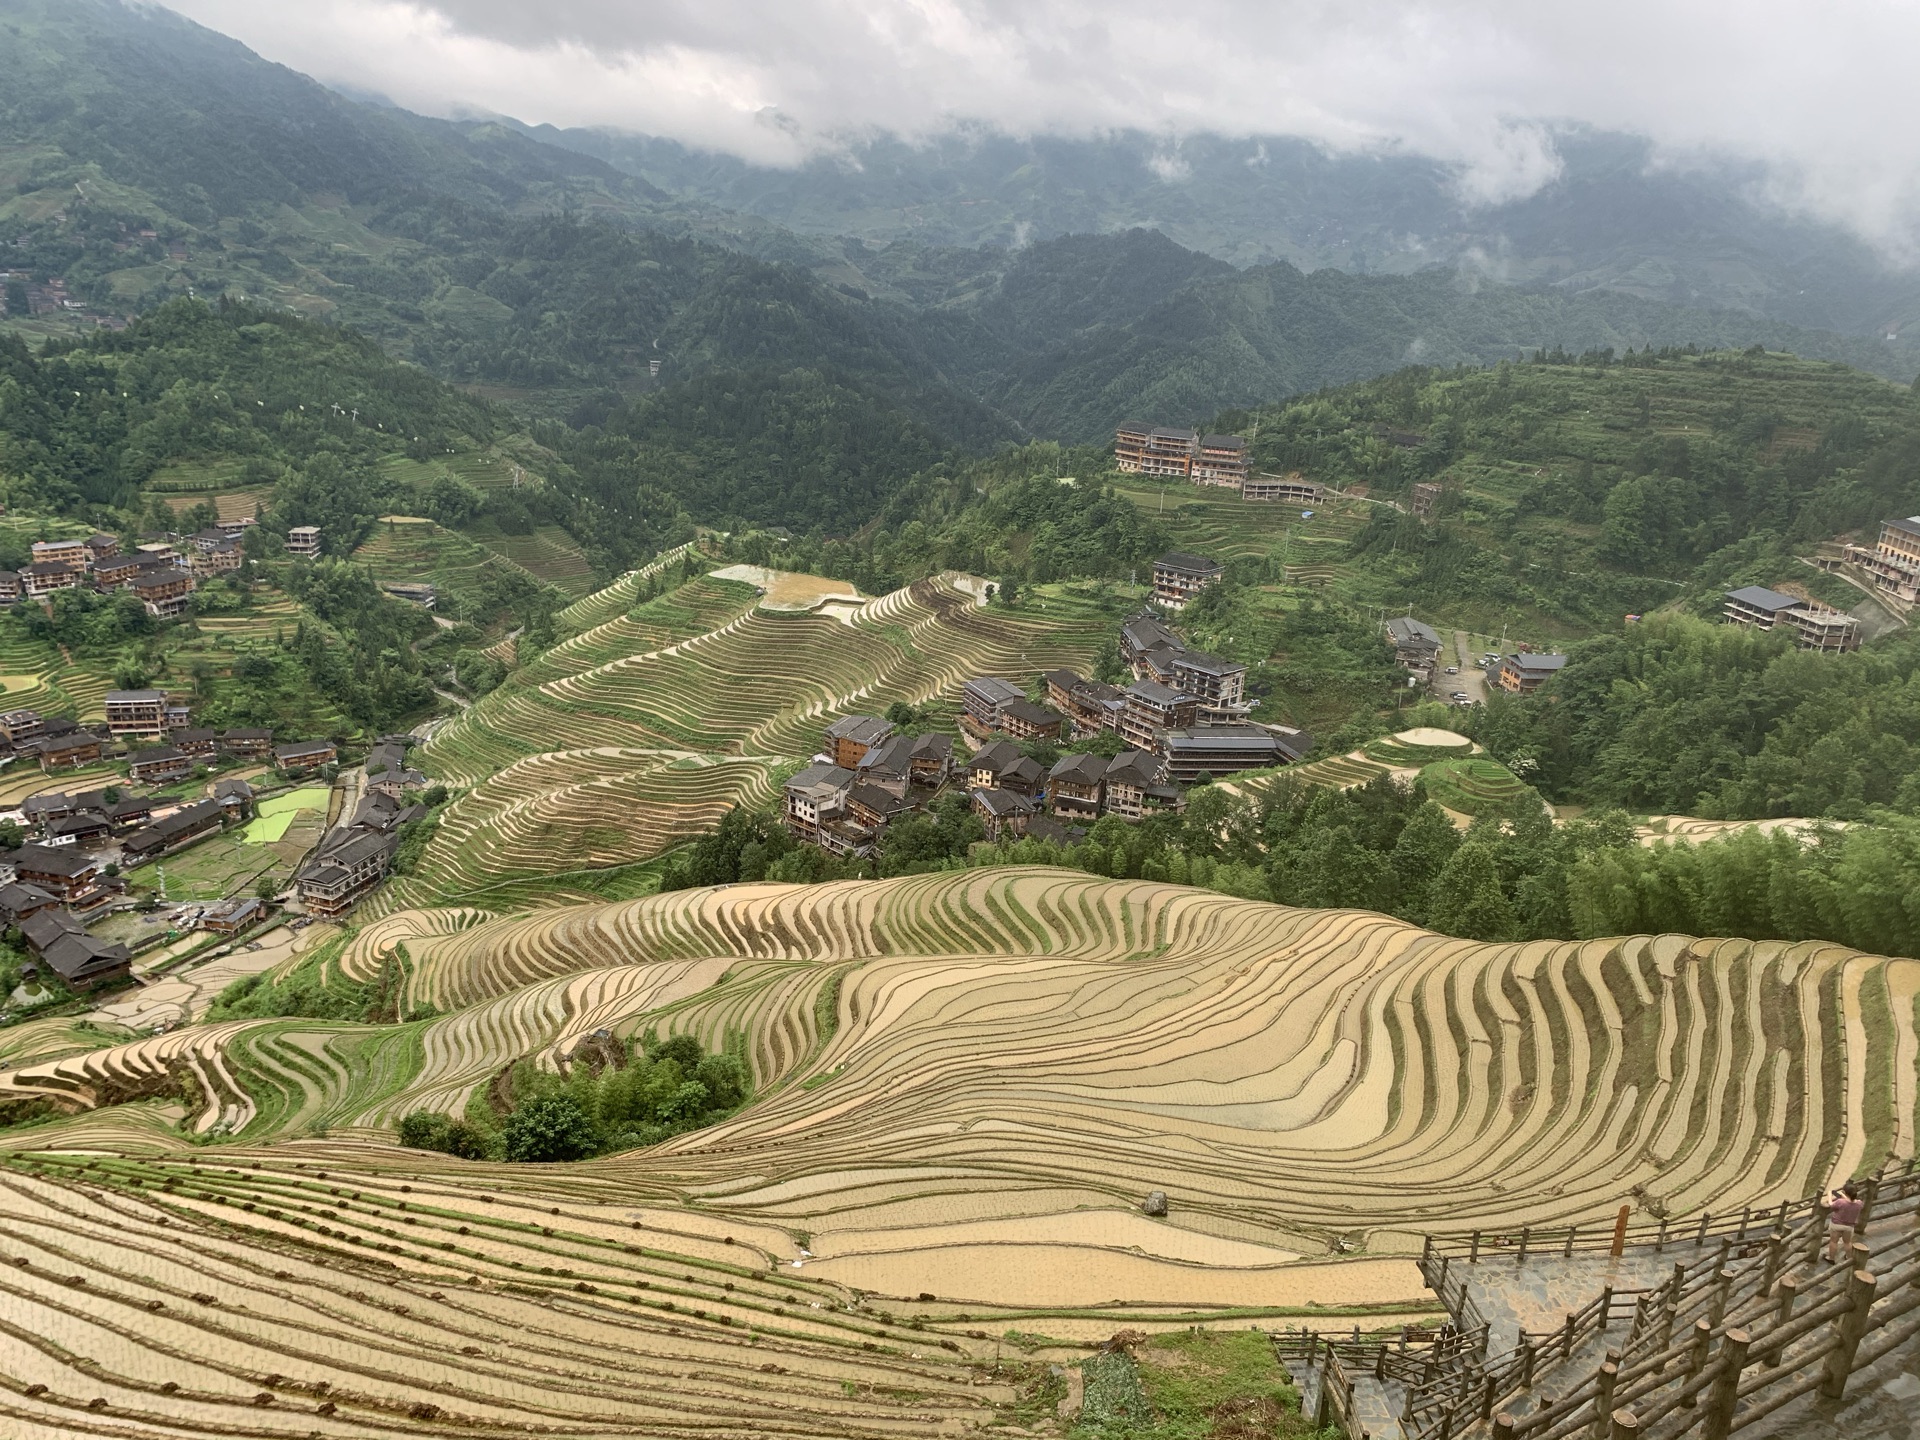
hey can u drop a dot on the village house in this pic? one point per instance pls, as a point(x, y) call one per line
point(136, 714)
point(231, 917)
point(80, 961)
point(348, 865)
point(815, 797)
point(304, 540)
point(1216, 750)
point(1416, 647)
point(872, 808)
point(173, 832)
point(1292, 488)
point(1024, 720)
point(38, 811)
point(68, 751)
point(235, 797)
point(223, 559)
point(101, 546)
point(1814, 626)
point(983, 698)
point(1178, 577)
point(89, 828)
point(851, 737)
point(1001, 766)
point(1089, 706)
point(1426, 498)
point(196, 741)
point(302, 756)
point(129, 810)
point(1006, 814)
point(18, 901)
point(1219, 685)
point(20, 726)
point(43, 578)
point(159, 765)
point(930, 760)
point(1152, 710)
point(248, 744)
point(1524, 673)
point(890, 767)
point(10, 590)
point(388, 772)
point(116, 572)
point(1220, 460)
point(1134, 787)
point(164, 592)
point(70, 875)
point(1076, 786)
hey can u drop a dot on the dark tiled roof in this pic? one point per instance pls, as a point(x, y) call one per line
point(1181, 560)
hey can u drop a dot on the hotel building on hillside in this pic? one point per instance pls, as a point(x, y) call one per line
point(1894, 561)
point(1171, 452)
point(1815, 626)
point(1178, 577)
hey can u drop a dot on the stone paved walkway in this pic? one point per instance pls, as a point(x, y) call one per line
point(1538, 1295)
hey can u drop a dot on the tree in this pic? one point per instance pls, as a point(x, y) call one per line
point(1467, 900)
point(549, 1128)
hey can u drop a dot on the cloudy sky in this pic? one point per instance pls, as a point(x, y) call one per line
point(1819, 89)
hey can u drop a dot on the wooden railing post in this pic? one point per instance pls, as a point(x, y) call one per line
point(1706, 1221)
point(1819, 1240)
point(1503, 1426)
point(1776, 1257)
point(1442, 1286)
point(1696, 1360)
point(1526, 1234)
point(1868, 1194)
point(1660, 1245)
point(1526, 1362)
point(1848, 1330)
point(1473, 1255)
point(1603, 1386)
point(1566, 1338)
point(1620, 1231)
point(1606, 1306)
point(1566, 1251)
point(1786, 1294)
point(1623, 1425)
point(1746, 1216)
point(1722, 1289)
point(1726, 1385)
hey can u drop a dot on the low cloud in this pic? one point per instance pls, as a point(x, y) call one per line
point(1819, 94)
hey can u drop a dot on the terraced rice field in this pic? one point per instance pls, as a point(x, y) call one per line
point(332, 1292)
point(549, 553)
point(1472, 785)
point(965, 1082)
point(649, 722)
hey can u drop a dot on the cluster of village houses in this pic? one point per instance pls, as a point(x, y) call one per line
point(163, 570)
point(82, 844)
point(1184, 716)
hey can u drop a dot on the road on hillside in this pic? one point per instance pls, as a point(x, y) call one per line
point(1472, 679)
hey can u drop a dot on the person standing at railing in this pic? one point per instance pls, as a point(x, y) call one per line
point(1842, 1215)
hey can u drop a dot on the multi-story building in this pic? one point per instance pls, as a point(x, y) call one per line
point(1219, 685)
point(164, 592)
point(1024, 720)
point(1216, 750)
point(1815, 626)
point(1090, 706)
point(1525, 673)
point(350, 863)
point(1163, 450)
point(1076, 788)
point(173, 832)
point(159, 765)
point(43, 577)
point(1001, 766)
point(71, 875)
point(304, 540)
point(1220, 460)
point(70, 553)
point(1426, 498)
point(136, 714)
point(67, 751)
point(101, 546)
point(222, 559)
point(20, 726)
point(1894, 561)
point(1004, 813)
point(1415, 646)
point(304, 755)
point(984, 696)
point(1292, 488)
point(248, 743)
point(1178, 577)
point(10, 587)
point(849, 738)
point(1152, 710)
point(1133, 786)
point(815, 797)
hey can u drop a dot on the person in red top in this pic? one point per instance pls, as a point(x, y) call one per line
point(1843, 1213)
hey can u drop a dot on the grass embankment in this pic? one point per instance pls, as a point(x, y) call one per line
point(1198, 1385)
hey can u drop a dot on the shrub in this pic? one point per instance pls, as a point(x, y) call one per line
point(548, 1128)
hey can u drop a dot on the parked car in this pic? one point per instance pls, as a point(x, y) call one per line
point(1460, 697)
point(1453, 669)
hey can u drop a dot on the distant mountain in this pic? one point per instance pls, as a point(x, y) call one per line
point(1618, 217)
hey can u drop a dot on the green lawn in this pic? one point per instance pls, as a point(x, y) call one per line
point(278, 814)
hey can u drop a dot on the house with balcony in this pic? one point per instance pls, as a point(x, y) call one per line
point(1813, 625)
point(1178, 577)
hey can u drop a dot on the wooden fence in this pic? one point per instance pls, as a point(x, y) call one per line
point(1730, 1336)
